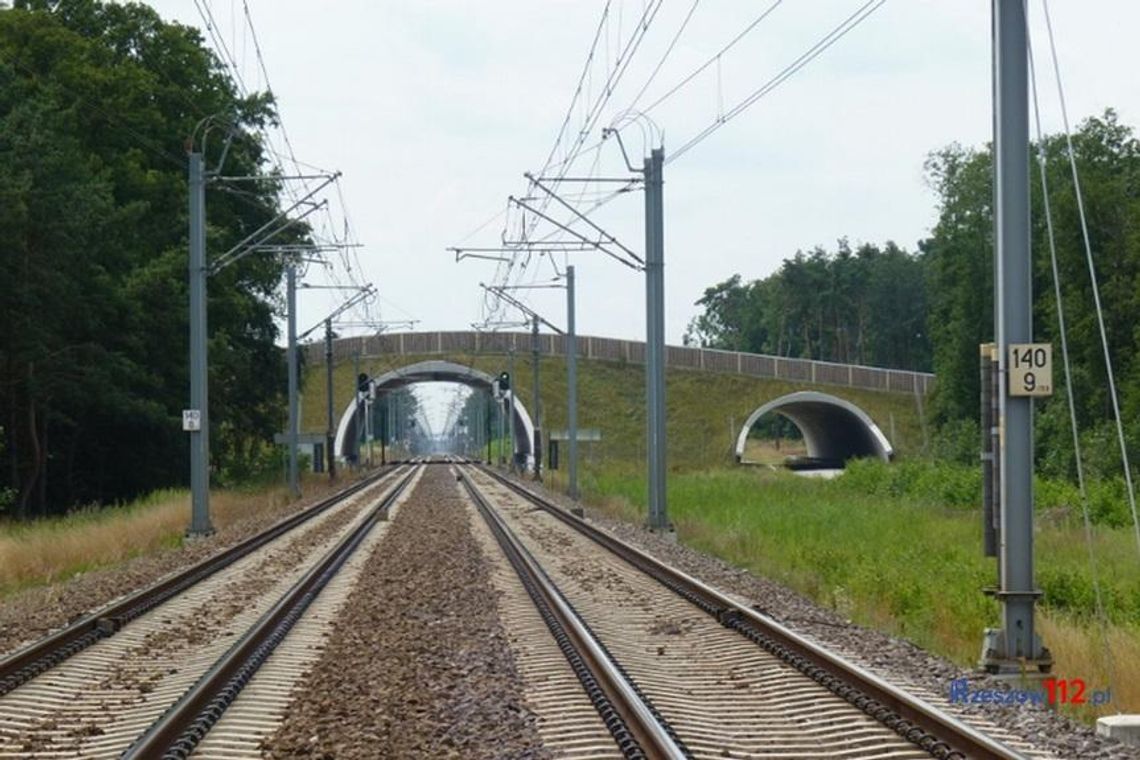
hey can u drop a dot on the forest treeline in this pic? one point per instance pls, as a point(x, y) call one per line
point(862, 306)
point(97, 102)
point(928, 309)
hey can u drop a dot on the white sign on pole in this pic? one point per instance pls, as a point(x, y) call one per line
point(191, 420)
point(1031, 369)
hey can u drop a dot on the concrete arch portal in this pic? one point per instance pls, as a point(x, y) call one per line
point(433, 371)
point(833, 429)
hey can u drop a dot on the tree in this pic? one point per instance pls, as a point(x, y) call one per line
point(862, 306)
point(960, 263)
point(96, 103)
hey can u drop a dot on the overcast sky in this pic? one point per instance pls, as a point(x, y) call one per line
point(434, 109)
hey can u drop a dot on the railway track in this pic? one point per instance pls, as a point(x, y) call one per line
point(677, 669)
point(620, 655)
point(149, 676)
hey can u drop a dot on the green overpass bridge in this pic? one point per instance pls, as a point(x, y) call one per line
point(714, 397)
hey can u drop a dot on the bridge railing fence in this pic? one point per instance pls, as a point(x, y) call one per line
point(632, 352)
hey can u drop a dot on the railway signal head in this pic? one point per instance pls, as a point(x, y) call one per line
point(504, 381)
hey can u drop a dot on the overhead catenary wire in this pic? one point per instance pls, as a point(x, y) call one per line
point(829, 39)
point(340, 234)
point(581, 83)
point(665, 55)
point(715, 57)
point(1092, 276)
point(515, 269)
point(594, 112)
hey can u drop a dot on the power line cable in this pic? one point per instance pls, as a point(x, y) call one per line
point(668, 50)
point(716, 56)
point(621, 65)
point(836, 34)
point(578, 88)
point(1092, 276)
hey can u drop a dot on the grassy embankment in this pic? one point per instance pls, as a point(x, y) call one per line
point(46, 551)
point(891, 548)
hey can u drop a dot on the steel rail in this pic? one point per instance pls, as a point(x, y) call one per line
point(933, 730)
point(25, 664)
point(184, 724)
point(636, 727)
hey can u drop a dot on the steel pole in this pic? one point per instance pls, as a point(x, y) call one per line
point(511, 416)
point(571, 386)
point(357, 416)
point(200, 524)
point(1016, 641)
point(291, 351)
point(368, 423)
point(655, 338)
point(537, 443)
point(501, 402)
point(330, 441)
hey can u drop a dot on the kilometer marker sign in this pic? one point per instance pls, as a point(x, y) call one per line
point(1030, 369)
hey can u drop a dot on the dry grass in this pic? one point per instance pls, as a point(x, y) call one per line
point(42, 552)
point(1078, 648)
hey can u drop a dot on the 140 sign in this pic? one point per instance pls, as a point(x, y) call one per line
point(1031, 369)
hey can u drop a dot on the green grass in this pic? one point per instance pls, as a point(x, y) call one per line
point(880, 546)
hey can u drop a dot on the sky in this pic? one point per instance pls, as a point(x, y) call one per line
point(434, 109)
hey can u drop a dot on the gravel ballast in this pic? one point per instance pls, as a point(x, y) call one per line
point(896, 660)
point(418, 664)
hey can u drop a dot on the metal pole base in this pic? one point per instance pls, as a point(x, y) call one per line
point(669, 533)
point(995, 662)
point(193, 534)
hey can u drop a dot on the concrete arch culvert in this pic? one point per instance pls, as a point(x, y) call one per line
point(833, 429)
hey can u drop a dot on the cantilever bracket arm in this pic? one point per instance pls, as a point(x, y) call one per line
point(498, 291)
point(637, 264)
point(466, 253)
point(266, 231)
point(365, 293)
point(604, 235)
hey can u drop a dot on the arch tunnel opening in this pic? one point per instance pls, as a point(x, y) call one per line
point(831, 432)
point(469, 423)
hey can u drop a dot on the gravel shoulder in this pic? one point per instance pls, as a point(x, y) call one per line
point(418, 664)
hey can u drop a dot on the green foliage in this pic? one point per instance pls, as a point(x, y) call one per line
point(960, 265)
point(945, 483)
point(957, 440)
point(937, 483)
point(866, 306)
point(97, 101)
